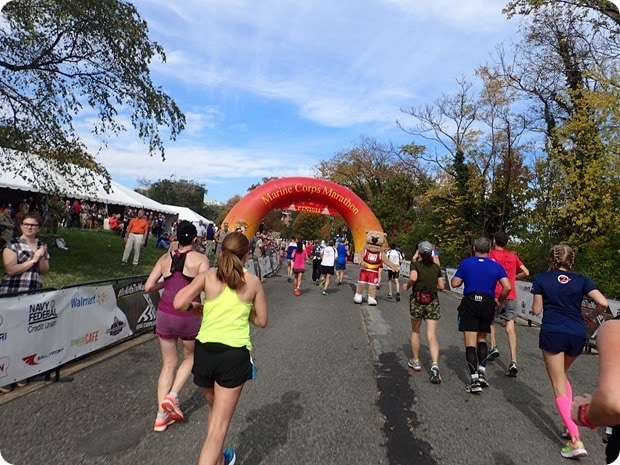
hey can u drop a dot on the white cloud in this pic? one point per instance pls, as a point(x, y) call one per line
point(265, 83)
point(331, 52)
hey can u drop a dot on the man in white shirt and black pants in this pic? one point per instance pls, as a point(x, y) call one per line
point(395, 257)
point(328, 260)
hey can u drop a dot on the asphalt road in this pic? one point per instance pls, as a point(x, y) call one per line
point(333, 387)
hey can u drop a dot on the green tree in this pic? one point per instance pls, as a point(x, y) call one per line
point(183, 193)
point(307, 226)
point(476, 158)
point(502, 163)
point(566, 70)
point(212, 212)
point(448, 124)
point(64, 60)
point(364, 168)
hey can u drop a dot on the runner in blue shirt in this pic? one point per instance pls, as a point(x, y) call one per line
point(341, 261)
point(292, 246)
point(476, 311)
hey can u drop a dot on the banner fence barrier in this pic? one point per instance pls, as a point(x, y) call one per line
point(41, 331)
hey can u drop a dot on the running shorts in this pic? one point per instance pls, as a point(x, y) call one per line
point(430, 311)
point(368, 277)
point(507, 311)
point(182, 326)
point(327, 269)
point(218, 363)
point(555, 343)
point(476, 312)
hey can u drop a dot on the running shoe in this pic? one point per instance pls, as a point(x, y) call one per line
point(389, 295)
point(435, 376)
point(474, 387)
point(324, 292)
point(162, 424)
point(415, 365)
point(572, 450)
point(512, 370)
point(482, 380)
point(229, 457)
point(493, 354)
point(6, 389)
point(297, 291)
point(565, 434)
point(170, 405)
point(397, 296)
point(289, 279)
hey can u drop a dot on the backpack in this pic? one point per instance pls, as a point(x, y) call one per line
point(394, 256)
point(316, 252)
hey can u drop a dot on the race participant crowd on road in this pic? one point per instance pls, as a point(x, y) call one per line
point(213, 334)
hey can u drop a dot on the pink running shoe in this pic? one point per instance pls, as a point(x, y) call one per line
point(161, 425)
point(171, 407)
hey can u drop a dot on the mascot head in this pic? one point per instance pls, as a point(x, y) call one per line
point(376, 241)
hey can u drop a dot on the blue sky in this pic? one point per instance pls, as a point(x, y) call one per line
point(271, 88)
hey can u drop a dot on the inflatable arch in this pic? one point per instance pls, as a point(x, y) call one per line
point(280, 193)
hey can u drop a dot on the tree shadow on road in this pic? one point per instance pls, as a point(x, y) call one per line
point(455, 361)
point(268, 428)
point(395, 402)
point(196, 402)
point(528, 402)
point(518, 394)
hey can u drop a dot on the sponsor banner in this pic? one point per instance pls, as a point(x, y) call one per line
point(40, 332)
point(524, 302)
point(449, 275)
point(266, 265)
point(138, 306)
point(33, 328)
point(97, 320)
point(405, 268)
point(249, 265)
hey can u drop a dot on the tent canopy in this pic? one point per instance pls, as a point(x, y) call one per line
point(26, 166)
point(189, 215)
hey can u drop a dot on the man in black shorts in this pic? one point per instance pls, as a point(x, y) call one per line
point(479, 274)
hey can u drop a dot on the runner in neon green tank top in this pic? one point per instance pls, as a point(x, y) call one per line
point(233, 299)
point(226, 320)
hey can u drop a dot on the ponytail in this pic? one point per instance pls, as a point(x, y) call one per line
point(235, 247)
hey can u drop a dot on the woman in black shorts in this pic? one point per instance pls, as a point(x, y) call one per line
point(233, 299)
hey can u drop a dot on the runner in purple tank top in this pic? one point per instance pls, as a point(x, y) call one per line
point(178, 268)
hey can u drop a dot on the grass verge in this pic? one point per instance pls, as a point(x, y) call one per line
point(92, 255)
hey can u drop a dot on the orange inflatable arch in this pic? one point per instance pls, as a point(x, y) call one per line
point(280, 193)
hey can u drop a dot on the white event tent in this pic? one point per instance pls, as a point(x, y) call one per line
point(23, 167)
point(189, 215)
